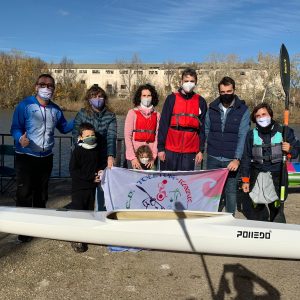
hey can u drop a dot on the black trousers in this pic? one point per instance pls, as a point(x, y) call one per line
point(33, 175)
point(83, 199)
point(178, 161)
point(263, 212)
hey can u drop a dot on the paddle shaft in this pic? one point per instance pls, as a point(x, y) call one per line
point(285, 81)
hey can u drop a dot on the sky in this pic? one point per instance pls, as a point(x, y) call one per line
point(105, 31)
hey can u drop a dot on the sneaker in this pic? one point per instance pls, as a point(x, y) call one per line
point(79, 247)
point(24, 238)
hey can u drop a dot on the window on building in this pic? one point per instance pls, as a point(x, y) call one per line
point(109, 72)
point(123, 71)
point(96, 71)
point(57, 71)
point(138, 72)
point(70, 71)
point(242, 73)
point(83, 71)
point(153, 72)
point(82, 81)
point(109, 88)
point(169, 72)
point(123, 86)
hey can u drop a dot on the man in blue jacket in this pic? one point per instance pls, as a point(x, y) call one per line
point(34, 121)
point(226, 125)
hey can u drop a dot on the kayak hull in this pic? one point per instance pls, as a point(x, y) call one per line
point(184, 231)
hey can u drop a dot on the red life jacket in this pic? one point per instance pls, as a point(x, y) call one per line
point(145, 128)
point(183, 133)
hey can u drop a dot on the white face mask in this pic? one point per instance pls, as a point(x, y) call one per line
point(146, 101)
point(144, 160)
point(264, 121)
point(45, 93)
point(188, 86)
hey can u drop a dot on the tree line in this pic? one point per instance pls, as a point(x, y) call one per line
point(18, 73)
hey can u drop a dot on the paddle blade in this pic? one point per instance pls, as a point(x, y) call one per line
point(285, 70)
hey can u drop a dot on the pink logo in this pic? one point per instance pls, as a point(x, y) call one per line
point(162, 194)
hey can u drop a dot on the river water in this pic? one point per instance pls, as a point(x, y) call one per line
point(60, 166)
point(5, 123)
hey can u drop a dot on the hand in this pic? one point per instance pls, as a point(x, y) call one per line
point(198, 158)
point(98, 176)
point(110, 161)
point(245, 187)
point(136, 164)
point(162, 155)
point(24, 141)
point(286, 147)
point(150, 164)
point(233, 165)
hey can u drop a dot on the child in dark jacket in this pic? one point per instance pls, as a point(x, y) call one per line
point(84, 167)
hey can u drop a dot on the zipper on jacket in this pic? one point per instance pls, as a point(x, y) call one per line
point(44, 120)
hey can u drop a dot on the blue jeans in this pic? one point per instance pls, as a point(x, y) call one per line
point(230, 188)
point(100, 202)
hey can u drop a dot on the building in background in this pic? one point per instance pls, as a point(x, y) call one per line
point(121, 79)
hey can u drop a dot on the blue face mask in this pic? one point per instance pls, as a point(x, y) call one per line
point(97, 103)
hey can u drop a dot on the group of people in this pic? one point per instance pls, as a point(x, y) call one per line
point(174, 140)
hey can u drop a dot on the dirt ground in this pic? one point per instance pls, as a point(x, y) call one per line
point(48, 269)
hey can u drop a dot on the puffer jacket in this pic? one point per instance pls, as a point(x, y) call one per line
point(105, 124)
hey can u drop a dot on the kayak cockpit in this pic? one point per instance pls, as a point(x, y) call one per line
point(159, 215)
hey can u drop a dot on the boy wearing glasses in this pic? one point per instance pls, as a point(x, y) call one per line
point(34, 121)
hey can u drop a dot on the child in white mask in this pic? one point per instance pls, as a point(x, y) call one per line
point(145, 156)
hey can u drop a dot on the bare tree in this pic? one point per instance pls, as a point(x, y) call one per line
point(68, 73)
point(269, 65)
point(295, 79)
point(132, 73)
point(219, 66)
point(18, 74)
point(68, 86)
point(169, 68)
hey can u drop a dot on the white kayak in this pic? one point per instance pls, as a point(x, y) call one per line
point(188, 231)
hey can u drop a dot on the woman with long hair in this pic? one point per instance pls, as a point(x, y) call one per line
point(141, 125)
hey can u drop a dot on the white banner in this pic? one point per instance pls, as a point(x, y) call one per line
point(193, 190)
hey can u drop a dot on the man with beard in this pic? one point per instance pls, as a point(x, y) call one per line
point(226, 125)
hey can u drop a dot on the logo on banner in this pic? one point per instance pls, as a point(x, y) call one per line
point(163, 193)
point(198, 190)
